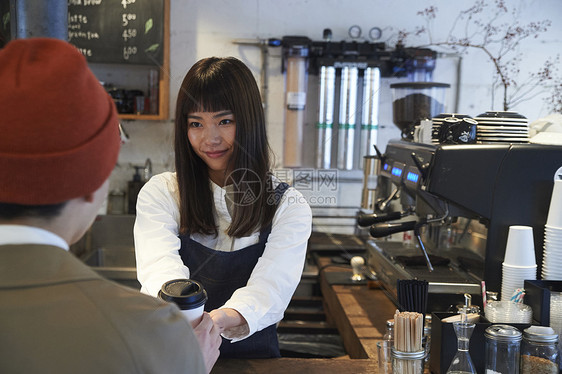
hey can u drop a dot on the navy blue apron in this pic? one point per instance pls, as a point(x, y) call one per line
point(222, 273)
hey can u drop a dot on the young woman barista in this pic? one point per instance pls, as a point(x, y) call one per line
point(222, 218)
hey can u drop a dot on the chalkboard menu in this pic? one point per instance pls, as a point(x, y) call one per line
point(118, 31)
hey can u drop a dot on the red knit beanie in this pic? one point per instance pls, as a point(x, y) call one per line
point(59, 135)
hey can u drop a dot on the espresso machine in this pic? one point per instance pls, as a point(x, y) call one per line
point(459, 200)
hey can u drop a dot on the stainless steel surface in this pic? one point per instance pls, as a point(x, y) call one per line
point(444, 280)
point(108, 248)
point(371, 168)
point(325, 117)
point(117, 263)
point(370, 112)
point(347, 117)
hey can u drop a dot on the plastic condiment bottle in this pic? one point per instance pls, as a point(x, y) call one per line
point(502, 349)
point(539, 351)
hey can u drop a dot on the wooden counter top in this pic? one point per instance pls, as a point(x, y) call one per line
point(359, 312)
point(296, 366)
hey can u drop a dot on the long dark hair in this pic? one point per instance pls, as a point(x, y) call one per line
point(212, 85)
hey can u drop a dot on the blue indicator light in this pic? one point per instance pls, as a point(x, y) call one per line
point(413, 177)
point(396, 171)
point(386, 166)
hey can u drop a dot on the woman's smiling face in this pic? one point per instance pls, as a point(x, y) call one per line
point(211, 135)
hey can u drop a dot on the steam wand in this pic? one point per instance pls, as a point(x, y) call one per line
point(418, 235)
point(384, 229)
point(424, 251)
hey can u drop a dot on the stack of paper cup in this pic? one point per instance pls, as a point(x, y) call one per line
point(519, 261)
point(552, 254)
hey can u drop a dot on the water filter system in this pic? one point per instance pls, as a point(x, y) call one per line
point(296, 81)
point(349, 81)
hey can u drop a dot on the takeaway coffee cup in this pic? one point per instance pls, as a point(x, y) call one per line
point(188, 294)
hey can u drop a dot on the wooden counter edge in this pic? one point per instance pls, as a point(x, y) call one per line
point(295, 365)
point(337, 315)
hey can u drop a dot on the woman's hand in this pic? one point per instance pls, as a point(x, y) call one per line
point(208, 336)
point(227, 318)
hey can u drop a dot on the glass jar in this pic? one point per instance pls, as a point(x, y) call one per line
point(408, 362)
point(539, 351)
point(502, 349)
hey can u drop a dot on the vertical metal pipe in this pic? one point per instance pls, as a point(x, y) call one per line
point(370, 112)
point(325, 117)
point(45, 18)
point(347, 117)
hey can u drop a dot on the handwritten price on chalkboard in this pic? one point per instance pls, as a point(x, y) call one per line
point(128, 17)
point(127, 2)
point(128, 51)
point(129, 33)
point(118, 31)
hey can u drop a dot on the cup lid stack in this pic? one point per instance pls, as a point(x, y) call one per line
point(502, 127)
point(508, 312)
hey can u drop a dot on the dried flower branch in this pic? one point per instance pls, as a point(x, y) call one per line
point(483, 27)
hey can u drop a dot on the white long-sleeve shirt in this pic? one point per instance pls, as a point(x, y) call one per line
point(273, 281)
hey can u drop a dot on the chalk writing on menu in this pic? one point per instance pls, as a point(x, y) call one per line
point(117, 31)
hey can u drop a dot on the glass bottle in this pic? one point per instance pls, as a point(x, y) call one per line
point(385, 347)
point(462, 363)
point(539, 351)
point(389, 334)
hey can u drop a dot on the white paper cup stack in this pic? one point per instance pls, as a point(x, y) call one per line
point(552, 254)
point(519, 261)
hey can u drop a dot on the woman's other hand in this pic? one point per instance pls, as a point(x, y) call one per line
point(227, 318)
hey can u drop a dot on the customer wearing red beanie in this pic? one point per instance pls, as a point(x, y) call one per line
point(59, 142)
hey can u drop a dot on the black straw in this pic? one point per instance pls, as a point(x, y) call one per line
point(412, 295)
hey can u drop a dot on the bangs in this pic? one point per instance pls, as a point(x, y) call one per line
point(208, 95)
